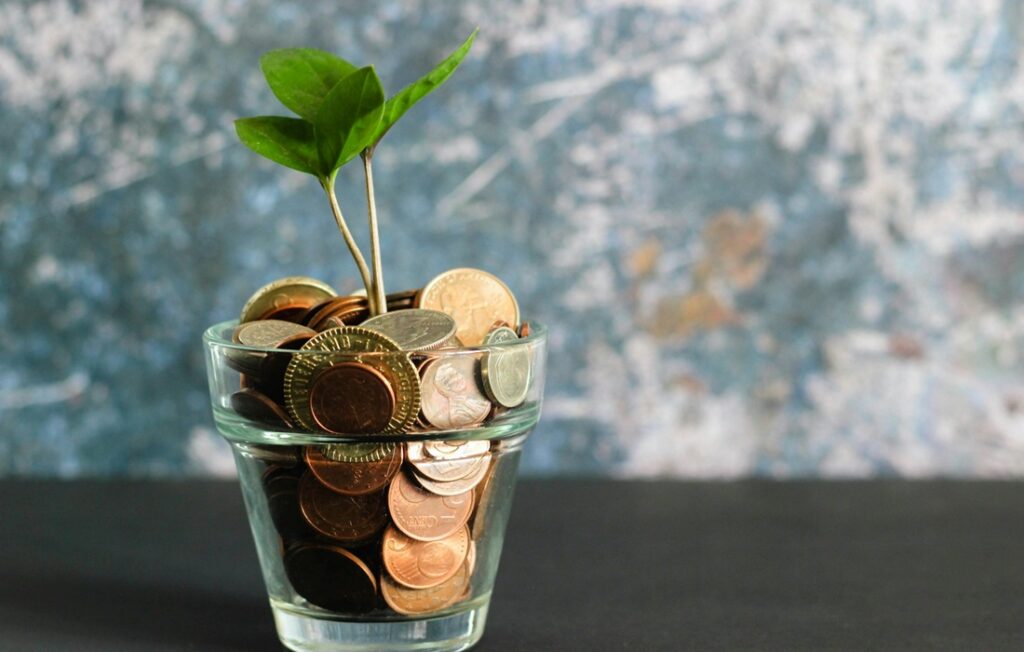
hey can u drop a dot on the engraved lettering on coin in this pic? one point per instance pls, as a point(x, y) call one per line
point(423, 564)
point(338, 516)
point(425, 516)
point(416, 329)
point(351, 397)
point(505, 369)
point(450, 396)
point(354, 478)
point(475, 298)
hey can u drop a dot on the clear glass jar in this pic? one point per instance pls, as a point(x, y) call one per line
point(358, 534)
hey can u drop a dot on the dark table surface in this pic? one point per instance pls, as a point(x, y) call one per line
point(588, 565)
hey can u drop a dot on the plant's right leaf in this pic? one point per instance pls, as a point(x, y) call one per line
point(288, 141)
point(396, 107)
point(349, 118)
point(302, 77)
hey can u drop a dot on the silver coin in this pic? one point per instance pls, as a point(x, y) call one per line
point(505, 371)
point(415, 329)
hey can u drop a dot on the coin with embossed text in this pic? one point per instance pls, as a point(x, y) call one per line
point(339, 516)
point(423, 564)
point(425, 516)
point(355, 478)
point(474, 298)
point(450, 396)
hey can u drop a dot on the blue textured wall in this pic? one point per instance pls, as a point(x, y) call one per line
point(770, 237)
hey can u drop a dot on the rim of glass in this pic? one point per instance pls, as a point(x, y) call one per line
point(214, 336)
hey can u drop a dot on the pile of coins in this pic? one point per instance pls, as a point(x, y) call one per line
point(397, 372)
point(382, 524)
point(367, 527)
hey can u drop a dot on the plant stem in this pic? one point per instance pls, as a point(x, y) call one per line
point(371, 204)
point(328, 186)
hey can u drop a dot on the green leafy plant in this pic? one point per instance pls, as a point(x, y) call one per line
point(342, 113)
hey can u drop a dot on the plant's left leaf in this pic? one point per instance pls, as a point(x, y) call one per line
point(288, 141)
point(349, 118)
point(302, 77)
point(396, 107)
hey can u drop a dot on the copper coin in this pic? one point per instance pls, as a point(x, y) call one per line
point(423, 601)
point(423, 515)
point(351, 397)
point(286, 297)
point(455, 487)
point(281, 487)
point(253, 405)
point(450, 397)
point(423, 564)
point(337, 308)
point(331, 578)
point(339, 516)
point(354, 478)
point(475, 298)
point(524, 329)
point(361, 452)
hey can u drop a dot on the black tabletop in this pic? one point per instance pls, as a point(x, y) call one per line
point(588, 565)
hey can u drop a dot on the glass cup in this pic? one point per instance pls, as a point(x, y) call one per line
point(376, 541)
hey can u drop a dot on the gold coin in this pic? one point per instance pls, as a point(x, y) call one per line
point(353, 344)
point(474, 298)
point(423, 564)
point(285, 294)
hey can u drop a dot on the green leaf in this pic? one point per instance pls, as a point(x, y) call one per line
point(349, 118)
point(288, 141)
point(302, 77)
point(396, 107)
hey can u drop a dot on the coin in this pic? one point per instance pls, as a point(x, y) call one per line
point(255, 406)
point(414, 330)
point(455, 449)
point(355, 478)
point(331, 578)
point(281, 487)
point(342, 517)
point(348, 344)
point(455, 487)
point(505, 370)
point(270, 333)
point(423, 601)
point(351, 397)
point(344, 309)
point(423, 564)
point(524, 329)
point(446, 464)
point(424, 516)
point(368, 452)
point(450, 396)
point(283, 456)
point(474, 298)
point(290, 296)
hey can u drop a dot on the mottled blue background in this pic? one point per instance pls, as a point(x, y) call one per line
point(777, 238)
